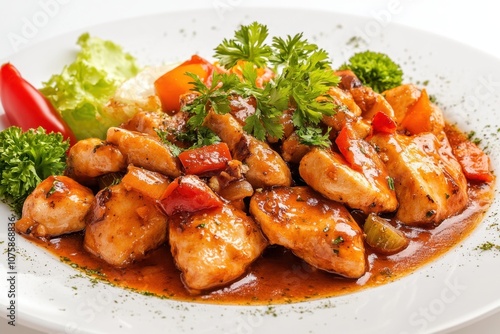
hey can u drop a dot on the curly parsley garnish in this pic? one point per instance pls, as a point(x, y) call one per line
point(26, 159)
point(375, 69)
point(248, 44)
point(302, 79)
point(313, 136)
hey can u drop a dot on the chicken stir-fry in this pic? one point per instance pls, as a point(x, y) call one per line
point(217, 206)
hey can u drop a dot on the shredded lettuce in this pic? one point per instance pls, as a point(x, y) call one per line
point(80, 92)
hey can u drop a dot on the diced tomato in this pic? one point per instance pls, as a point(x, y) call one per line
point(171, 85)
point(418, 118)
point(188, 194)
point(475, 163)
point(205, 159)
point(382, 123)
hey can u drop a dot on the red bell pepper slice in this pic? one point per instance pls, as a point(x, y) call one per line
point(353, 149)
point(188, 194)
point(171, 85)
point(205, 159)
point(383, 123)
point(26, 107)
point(475, 163)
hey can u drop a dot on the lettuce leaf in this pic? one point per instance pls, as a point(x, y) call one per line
point(82, 89)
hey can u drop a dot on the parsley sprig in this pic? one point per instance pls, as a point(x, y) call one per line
point(303, 78)
point(248, 44)
point(26, 159)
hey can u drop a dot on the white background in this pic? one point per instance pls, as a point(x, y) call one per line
point(475, 23)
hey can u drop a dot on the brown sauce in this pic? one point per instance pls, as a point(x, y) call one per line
point(278, 276)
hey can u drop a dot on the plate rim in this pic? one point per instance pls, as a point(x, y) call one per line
point(496, 307)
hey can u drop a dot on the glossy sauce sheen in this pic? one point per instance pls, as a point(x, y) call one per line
point(279, 276)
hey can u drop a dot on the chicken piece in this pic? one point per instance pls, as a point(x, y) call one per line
point(123, 225)
point(145, 151)
point(344, 100)
point(58, 205)
point(150, 122)
point(265, 166)
point(348, 80)
point(93, 157)
point(320, 231)
point(428, 180)
point(371, 102)
point(368, 190)
point(292, 150)
point(214, 247)
point(226, 127)
point(346, 112)
point(242, 107)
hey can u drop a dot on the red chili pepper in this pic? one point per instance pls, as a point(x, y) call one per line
point(26, 107)
point(205, 159)
point(188, 194)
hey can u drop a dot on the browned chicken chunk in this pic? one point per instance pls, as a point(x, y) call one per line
point(292, 150)
point(329, 174)
point(226, 127)
point(429, 182)
point(265, 166)
point(144, 150)
point(214, 247)
point(347, 112)
point(123, 225)
point(58, 205)
point(369, 101)
point(320, 231)
point(93, 157)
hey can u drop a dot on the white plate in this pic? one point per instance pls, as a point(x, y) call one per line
point(455, 289)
